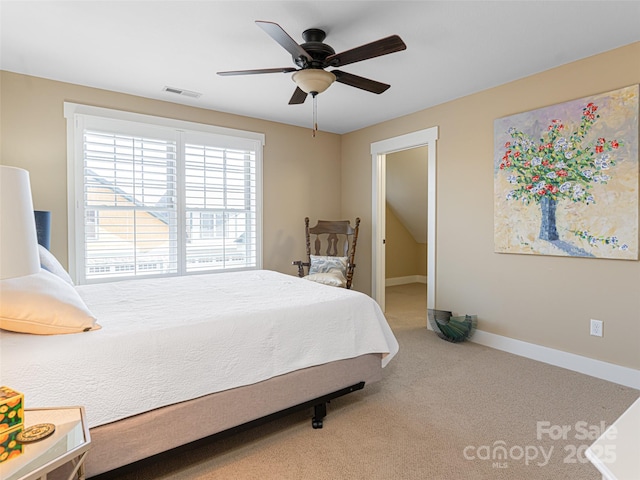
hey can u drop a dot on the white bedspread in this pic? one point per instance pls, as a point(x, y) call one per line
point(164, 341)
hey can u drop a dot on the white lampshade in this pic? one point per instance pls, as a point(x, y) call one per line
point(18, 239)
point(313, 80)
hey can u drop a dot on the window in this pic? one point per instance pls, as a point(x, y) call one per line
point(151, 196)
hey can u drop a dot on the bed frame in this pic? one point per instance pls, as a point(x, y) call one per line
point(121, 443)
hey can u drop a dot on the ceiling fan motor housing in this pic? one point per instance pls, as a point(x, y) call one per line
point(315, 47)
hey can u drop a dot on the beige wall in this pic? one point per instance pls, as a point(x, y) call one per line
point(543, 300)
point(406, 213)
point(300, 171)
point(404, 257)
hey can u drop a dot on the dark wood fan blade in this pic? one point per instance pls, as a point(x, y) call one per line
point(360, 82)
point(259, 70)
point(378, 48)
point(276, 32)
point(299, 96)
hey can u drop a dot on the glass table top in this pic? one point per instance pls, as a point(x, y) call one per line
point(68, 436)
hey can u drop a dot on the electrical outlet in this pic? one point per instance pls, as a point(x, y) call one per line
point(596, 328)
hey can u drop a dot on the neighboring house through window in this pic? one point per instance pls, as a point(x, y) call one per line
point(91, 224)
point(155, 196)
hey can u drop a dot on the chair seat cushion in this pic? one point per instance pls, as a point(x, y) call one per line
point(335, 278)
point(328, 270)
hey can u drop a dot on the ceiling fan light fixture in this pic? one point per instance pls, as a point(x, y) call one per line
point(313, 80)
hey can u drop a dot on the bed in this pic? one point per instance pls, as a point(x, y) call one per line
point(179, 359)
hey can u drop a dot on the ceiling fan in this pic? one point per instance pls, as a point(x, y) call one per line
point(314, 56)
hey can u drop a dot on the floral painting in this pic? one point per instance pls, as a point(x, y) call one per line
point(566, 178)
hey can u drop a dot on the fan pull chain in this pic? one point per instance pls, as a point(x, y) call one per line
point(315, 113)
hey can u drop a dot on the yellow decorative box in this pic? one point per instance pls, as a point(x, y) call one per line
point(11, 422)
point(9, 446)
point(11, 408)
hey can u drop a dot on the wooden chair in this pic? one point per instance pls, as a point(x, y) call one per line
point(332, 239)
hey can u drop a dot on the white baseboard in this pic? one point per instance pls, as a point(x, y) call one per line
point(611, 372)
point(589, 366)
point(392, 282)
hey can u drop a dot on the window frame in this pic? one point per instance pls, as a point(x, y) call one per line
point(76, 115)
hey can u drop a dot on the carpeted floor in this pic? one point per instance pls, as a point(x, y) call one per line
point(442, 411)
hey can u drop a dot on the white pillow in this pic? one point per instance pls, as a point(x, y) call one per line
point(43, 304)
point(49, 262)
point(335, 279)
point(324, 264)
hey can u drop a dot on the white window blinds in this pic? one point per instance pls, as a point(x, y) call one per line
point(152, 200)
point(220, 205)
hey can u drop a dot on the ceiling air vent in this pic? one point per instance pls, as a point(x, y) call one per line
point(179, 91)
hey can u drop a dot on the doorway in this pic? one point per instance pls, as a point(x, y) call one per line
point(379, 151)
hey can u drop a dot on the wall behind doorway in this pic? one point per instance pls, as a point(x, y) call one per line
point(406, 216)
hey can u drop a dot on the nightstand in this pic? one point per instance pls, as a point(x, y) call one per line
point(615, 453)
point(69, 443)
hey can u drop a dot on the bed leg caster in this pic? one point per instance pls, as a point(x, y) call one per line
point(319, 412)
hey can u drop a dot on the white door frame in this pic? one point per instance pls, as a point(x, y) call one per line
point(379, 150)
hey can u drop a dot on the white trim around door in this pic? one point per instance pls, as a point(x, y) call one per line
point(379, 150)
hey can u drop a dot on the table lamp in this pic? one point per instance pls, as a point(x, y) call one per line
point(18, 239)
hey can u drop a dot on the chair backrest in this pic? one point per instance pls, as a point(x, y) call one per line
point(334, 238)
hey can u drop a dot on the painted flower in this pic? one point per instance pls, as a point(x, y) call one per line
point(577, 192)
point(565, 187)
point(603, 162)
point(561, 144)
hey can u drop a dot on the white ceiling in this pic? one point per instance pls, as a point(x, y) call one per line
point(454, 48)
